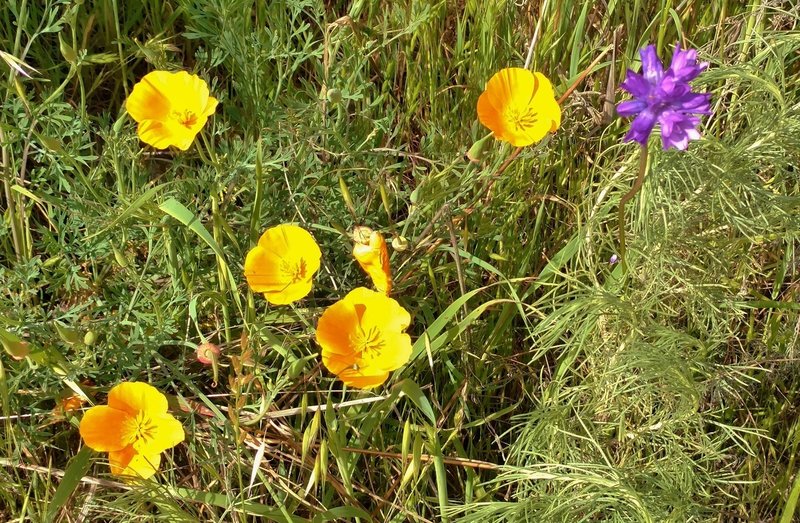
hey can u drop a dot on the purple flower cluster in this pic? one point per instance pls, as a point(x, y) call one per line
point(665, 98)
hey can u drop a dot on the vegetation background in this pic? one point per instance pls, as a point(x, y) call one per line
point(546, 384)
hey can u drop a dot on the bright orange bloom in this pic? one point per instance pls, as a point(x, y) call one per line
point(371, 253)
point(283, 264)
point(134, 428)
point(519, 106)
point(362, 338)
point(171, 108)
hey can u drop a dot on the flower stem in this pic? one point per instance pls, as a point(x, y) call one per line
point(212, 156)
point(637, 185)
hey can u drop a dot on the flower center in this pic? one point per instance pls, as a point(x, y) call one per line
point(186, 118)
point(521, 118)
point(143, 428)
point(367, 344)
point(295, 271)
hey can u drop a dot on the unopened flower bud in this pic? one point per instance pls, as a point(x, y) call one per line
point(334, 96)
point(89, 338)
point(478, 149)
point(207, 353)
point(400, 243)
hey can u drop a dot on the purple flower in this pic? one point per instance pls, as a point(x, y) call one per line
point(665, 98)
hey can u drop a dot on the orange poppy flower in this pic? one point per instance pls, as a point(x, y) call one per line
point(371, 253)
point(519, 106)
point(362, 338)
point(283, 264)
point(134, 428)
point(171, 108)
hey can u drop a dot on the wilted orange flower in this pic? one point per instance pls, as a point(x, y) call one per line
point(171, 108)
point(519, 106)
point(134, 428)
point(371, 253)
point(71, 403)
point(362, 338)
point(283, 264)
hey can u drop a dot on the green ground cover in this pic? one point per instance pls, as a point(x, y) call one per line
point(547, 384)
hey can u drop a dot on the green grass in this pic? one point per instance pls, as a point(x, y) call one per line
point(546, 384)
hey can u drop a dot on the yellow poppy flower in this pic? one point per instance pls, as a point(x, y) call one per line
point(283, 264)
point(519, 106)
point(362, 338)
point(134, 428)
point(371, 253)
point(171, 108)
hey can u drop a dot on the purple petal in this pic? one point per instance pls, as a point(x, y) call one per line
point(698, 103)
point(630, 107)
point(678, 131)
point(652, 70)
point(641, 127)
point(684, 66)
point(668, 120)
point(669, 87)
point(675, 141)
point(681, 59)
point(636, 84)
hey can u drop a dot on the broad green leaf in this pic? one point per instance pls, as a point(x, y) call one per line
point(178, 211)
point(225, 501)
point(76, 469)
point(343, 514)
point(415, 394)
point(14, 345)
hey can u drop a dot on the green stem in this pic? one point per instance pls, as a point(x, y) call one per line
point(210, 150)
point(56, 93)
point(11, 199)
point(637, 185)
point(119, 48)
point(221, 266)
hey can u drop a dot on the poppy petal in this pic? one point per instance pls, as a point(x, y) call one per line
point(165, 432)
point(360, 380)
point(128, 462)
point(333, 334)
point(105, 429)
point(162, 134)
point(290, 294)
point(134, 397)
point(262, 268)
point(150, 98)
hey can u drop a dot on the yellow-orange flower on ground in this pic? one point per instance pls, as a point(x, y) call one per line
point(283, 264)
point(134, 428)
point(362, 338)
point(371, 253)
point(519, 106)
point(171, 108)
